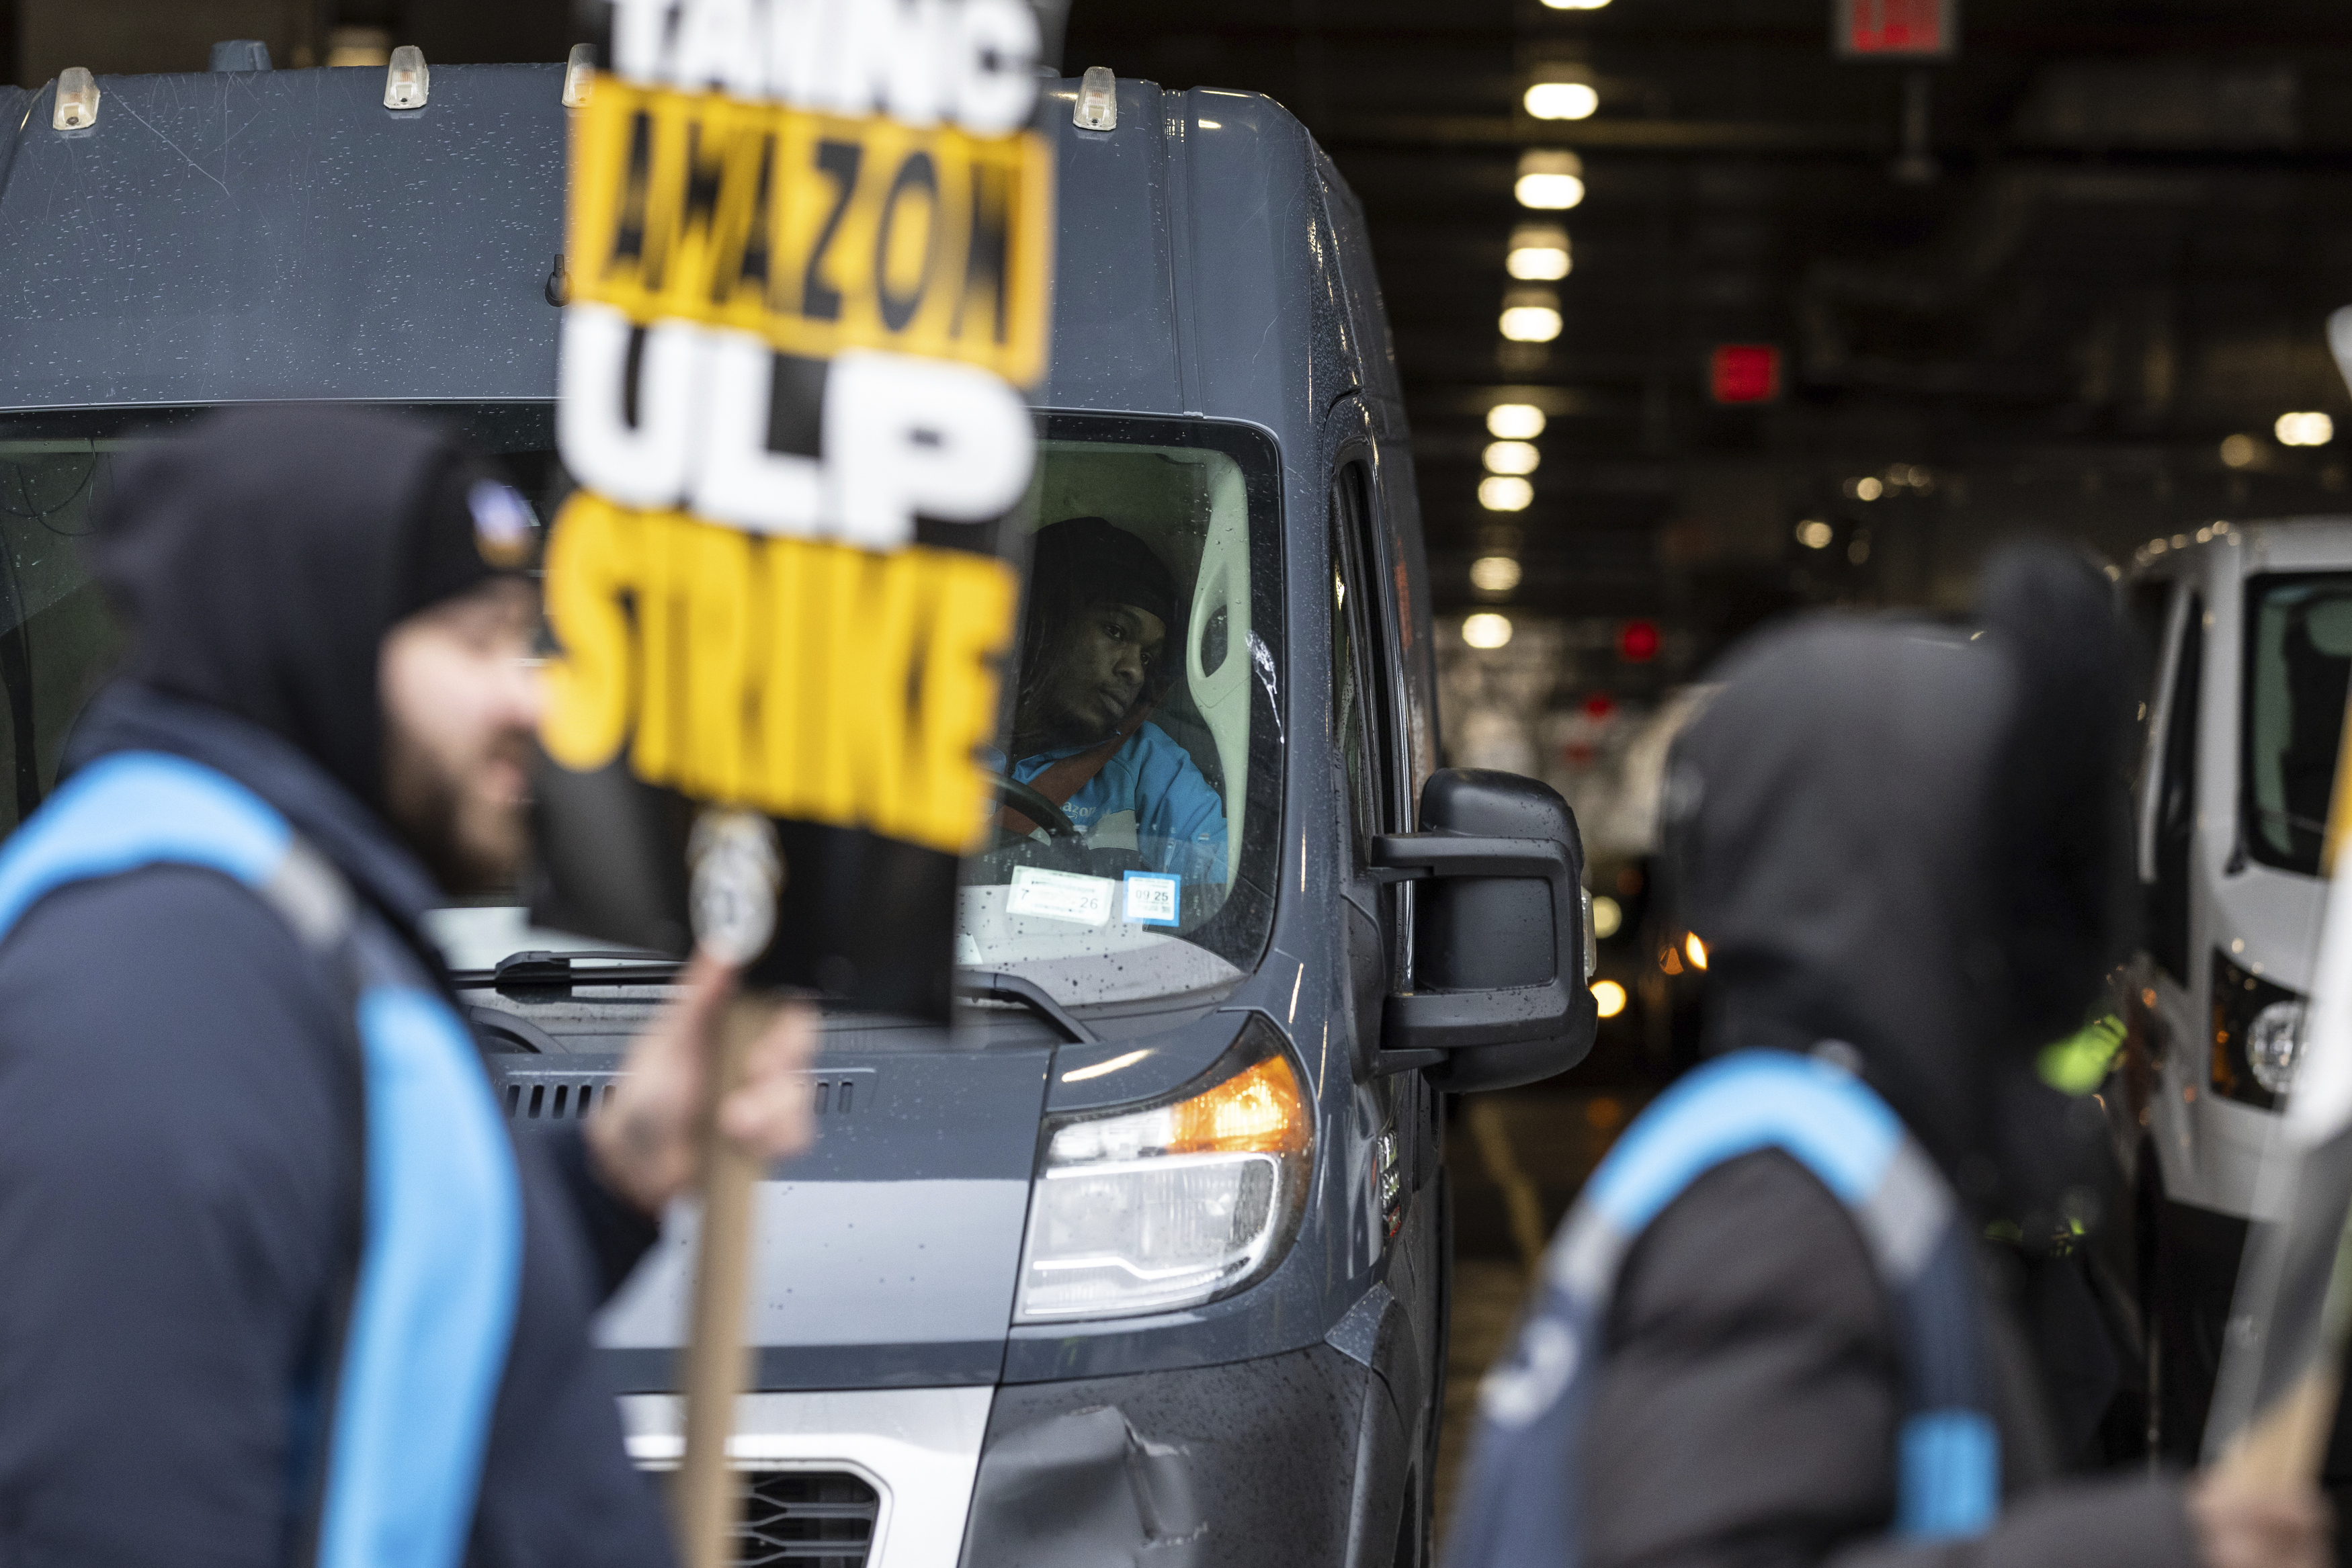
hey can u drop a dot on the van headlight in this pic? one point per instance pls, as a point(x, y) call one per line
point(2257, 1035)
point(1144, 1210)
point(2272, 1041)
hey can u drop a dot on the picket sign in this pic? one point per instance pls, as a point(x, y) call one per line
point(809, 246)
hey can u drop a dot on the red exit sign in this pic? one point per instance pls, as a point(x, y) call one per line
point(1744, 372)
point(1901, 29)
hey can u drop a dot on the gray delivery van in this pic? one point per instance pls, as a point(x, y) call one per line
point(1146, 1258)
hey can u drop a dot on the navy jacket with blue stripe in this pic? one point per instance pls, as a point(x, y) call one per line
point(180, 1190)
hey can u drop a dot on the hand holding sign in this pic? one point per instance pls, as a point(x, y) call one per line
point(646, 1134)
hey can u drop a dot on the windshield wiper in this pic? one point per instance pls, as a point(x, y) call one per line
point(590, 967)
point(624, 966)
point(994, 985)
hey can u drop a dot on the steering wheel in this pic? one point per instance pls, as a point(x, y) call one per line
point(1013, 792)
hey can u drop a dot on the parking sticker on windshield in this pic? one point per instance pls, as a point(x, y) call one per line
point(1151, 897)
point(1060, 895)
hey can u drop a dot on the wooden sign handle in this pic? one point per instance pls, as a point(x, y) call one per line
point(708, 1497)
point(2283, 1448)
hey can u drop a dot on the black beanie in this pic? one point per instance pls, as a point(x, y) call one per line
point(1086, 560)
point(260, 560)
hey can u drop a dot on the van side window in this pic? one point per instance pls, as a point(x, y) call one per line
point(1361, 727)
point(2298, 667)
point(2176, 804)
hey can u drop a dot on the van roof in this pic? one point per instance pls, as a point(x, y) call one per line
point(235, 236)
point(2296, 543)
point(228, 237)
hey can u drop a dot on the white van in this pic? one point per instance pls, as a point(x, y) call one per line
point(2248, 627)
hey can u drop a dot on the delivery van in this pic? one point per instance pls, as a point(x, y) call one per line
point(1146, 1257)
point(2247, 628)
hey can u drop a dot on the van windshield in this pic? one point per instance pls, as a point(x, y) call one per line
point(58, 639)
point(1134, 851)
point(2298, 668)
point(1127, 854)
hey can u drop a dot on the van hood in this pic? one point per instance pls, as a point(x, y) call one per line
point(887, 1254)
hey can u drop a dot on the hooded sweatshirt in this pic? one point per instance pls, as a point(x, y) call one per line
point(1898, 837)
point(181, 1122)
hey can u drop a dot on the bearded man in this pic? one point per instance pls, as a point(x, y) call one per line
point(280, 1286)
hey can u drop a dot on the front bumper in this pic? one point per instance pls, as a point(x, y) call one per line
point(917, 1447)
point(1255, 1462)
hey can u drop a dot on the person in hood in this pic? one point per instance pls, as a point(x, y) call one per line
point(1095, 661)
point(1767, 1333)
point(280, 1286)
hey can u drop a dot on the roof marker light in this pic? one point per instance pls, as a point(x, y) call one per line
point(1097, 105)
point(407, 81)
point(578, 76)
point(77, 108)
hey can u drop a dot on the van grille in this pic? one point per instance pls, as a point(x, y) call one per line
point(549, 1097)
point(812, 1519)
point(535, 1094)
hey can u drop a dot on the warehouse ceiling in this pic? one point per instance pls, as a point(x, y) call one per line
point(2108, 245)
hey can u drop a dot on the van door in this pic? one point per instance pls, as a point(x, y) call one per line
point(2174, 831)
point(1366, 755)
point(1372, 760)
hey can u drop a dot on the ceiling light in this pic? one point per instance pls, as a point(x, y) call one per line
point(1486, 630)
point(1608, 996)
point(1869, 487)
point(1499, 493)
point(1493, 574)
point(1530, 323)
point(2238, 451)
point(1515, 421)
point(1538, 253)
point(1607, 916)
point(2305, 430)
point(1813, 534)
point(1561, 100)
point(1511, 458)
point(1530, 314)
point(1549, 182)
point(1576, 4)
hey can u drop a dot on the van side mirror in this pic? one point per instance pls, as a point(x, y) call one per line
point(1501, 963)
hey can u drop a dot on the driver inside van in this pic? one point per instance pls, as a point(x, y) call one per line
point(1096, 660)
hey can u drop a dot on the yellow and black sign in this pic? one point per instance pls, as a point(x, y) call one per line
point(807, 679)
point(816, 231)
